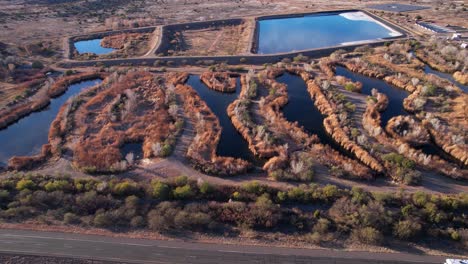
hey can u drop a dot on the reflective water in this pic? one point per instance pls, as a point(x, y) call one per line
point(319, 30)
point(395, 105)
point(301, 109)
point(91, 46)
point(395, 95)
point(136, 148)
point(27, 136)
point(231, 143)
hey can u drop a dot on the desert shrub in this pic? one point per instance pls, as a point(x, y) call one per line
point(160, 190)
point(350, 107)
point(57, 185)
point(399, 160)
point(25, 184)
point(322, 226)
point(181, 180)
point(103, 220)
point(367, 235)
point(125, 188)
point(183, 192)
point(137, 222)
point(71, 218)
point(206, 188)
point(350, 87)
point(252, 187)
point(407, 230)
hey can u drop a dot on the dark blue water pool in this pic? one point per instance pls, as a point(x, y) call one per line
point(395, 94)
point(27, 136)
point(318, 30)
point(231, 143)
point(92, 46)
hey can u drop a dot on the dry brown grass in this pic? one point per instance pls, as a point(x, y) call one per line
point(133, 109)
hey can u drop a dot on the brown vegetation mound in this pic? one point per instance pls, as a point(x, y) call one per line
point(137, 108)
point(219, 81)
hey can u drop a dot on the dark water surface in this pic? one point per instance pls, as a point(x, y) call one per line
point(231, 143)
point(317, 31)
point(395, 95)
point(301, 109)
point(27, 136)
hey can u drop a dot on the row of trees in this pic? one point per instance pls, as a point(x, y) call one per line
point(325, 213)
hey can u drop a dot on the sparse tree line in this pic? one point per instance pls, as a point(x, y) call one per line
point(320, 214)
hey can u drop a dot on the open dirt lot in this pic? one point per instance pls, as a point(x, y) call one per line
point(229, 40)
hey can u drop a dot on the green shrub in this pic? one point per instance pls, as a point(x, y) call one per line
point(183, 192)
point(160, 190)
point(407, 230)
point(25, 184)
point(71, 218)
point(181, 180)
point(125, 188)
point(367, 235)
point(206, 188)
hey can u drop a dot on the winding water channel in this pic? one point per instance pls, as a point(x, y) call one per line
point(394, 94)
point(395, 106)
point(27, 136)
point(301, 109)
point(231, 143)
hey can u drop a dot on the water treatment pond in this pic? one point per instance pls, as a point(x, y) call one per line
point(289, 34)
point(27, 136)
point(91, 46)
point(231, 143)
point(395, 105)
point(395, 95)
point(429, 70)
point(301, 109)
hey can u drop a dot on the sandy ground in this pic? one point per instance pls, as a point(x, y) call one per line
point(32, 22)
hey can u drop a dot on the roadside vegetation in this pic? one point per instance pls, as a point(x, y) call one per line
point(319, 215)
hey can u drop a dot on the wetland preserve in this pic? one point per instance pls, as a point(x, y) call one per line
point(337, 127)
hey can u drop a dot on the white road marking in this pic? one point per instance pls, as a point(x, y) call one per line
point(75, 239)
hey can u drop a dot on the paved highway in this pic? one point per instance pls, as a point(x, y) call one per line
point(157, 251)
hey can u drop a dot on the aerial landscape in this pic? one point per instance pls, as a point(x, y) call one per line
point(256, 131)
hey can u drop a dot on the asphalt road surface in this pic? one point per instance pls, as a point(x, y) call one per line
point(156, 251)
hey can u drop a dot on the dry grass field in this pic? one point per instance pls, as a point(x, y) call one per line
point(228, 40)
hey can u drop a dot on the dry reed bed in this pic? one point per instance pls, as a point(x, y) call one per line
point(219, 81)
point(134, 108)
point(372, 123)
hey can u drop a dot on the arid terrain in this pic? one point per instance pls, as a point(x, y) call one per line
point(360, 148)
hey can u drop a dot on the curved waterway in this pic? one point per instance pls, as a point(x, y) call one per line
point(27, 136)
point(449, 77)
point(395, 95)
point(91, 46)
point(231, 143)
point(301, 108)
point(395, 105)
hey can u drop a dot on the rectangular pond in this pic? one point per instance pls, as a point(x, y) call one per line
point(91, 46)
point(279, 35)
